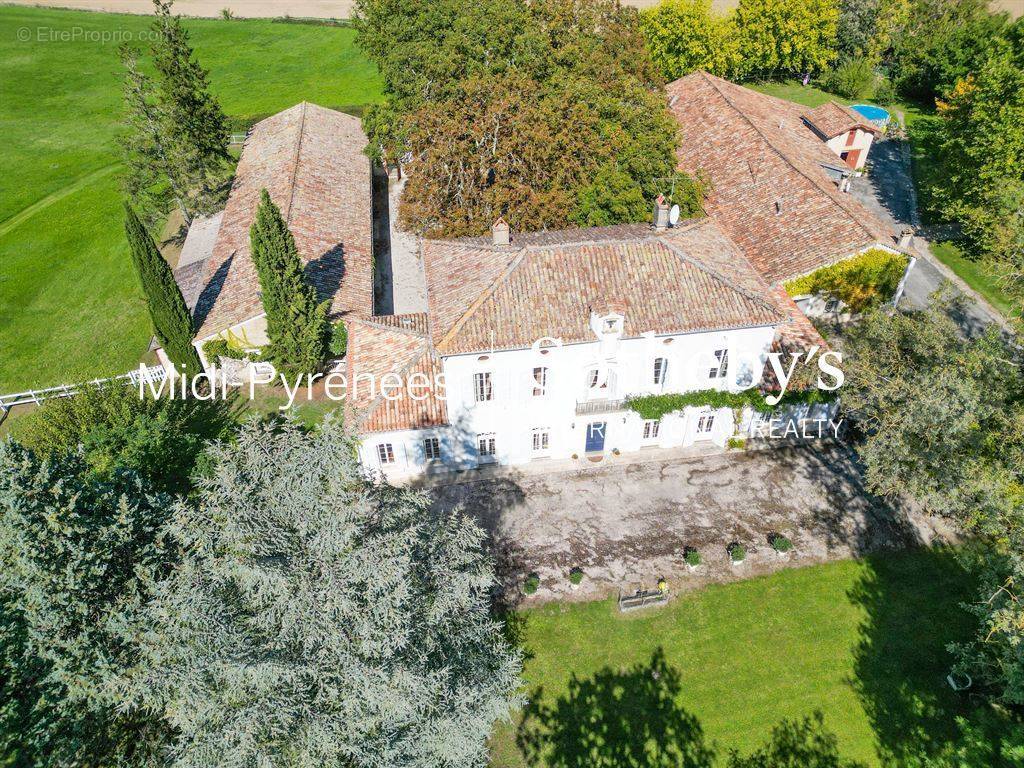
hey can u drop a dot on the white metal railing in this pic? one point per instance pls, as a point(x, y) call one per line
point(151, 373)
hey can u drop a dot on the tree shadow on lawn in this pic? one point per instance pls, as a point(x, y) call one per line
point(615, 719)
point(913, 611)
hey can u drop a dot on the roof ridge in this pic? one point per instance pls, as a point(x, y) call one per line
point(295, 162)
point(484, 295)
point(722, 278)
point(786, 159)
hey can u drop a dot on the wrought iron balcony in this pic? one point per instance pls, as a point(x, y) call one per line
point(594, 407)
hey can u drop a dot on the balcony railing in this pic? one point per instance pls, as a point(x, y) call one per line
point(594, 407)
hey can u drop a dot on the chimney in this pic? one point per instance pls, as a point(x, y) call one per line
point(906, 238)
point(500, 233)
point(661, 210)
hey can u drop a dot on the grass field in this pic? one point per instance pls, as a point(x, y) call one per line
point(863, 642)
point(69, 305)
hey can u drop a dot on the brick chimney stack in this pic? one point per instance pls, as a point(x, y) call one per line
point(500, 232)
point(661, 210)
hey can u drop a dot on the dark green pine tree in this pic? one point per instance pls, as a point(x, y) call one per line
point(194, 121)
point(296, 322)
point(171, 318)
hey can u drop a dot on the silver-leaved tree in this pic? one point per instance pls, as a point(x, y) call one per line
point(319, 619)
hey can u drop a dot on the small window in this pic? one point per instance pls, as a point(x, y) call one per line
point(660, 370)
point(721, 366)
point(482, 388)
point(832, 305)
point(651, 427)
point(611, 325)
point(485, 445)
point(540, 381)
point(431, 449)
point(541, 440)
point(594, 379)
point(386, 453)
point(705, 423)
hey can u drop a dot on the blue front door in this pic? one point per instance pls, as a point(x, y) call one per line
point(595, 436)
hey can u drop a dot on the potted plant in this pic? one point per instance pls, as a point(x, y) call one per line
point(780, 544)
point(692, 558)
point(737, 553)
point(575, 577)
point(662, 586)
point(531, 583)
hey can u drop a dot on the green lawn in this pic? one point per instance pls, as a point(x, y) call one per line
point(977, 275)
point(69, 306)
point(864, 642)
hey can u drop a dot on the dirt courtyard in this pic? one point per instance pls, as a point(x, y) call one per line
point(628, 525)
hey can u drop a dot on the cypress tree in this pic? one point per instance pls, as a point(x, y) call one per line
point(296, 322)
point(167, 309)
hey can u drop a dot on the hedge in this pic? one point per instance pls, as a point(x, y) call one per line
point(656, 406)
point(860, 282)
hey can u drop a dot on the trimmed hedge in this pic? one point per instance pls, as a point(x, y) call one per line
point(860, 282)
point(657, 406)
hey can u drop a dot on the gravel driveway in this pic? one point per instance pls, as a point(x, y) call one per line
point(627, 525)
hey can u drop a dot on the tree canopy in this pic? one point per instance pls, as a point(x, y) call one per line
point(684, 36)
point(320, 619)
point(548, 113)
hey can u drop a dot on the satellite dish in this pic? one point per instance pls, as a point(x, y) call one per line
point(673, 215)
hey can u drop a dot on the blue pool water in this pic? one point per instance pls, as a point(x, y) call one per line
point(872, 113)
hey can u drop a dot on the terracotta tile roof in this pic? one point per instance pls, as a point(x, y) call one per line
point(771, 193)
point(832, 119)
point(691, 278)
point(796, 333)
point(310, 159)
point(379, 346)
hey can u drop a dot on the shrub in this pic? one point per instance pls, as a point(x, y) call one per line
point(736, 442)
point(215, 348)
point(861, 282)
point(576, 576)
point(692, 557)
point(338, 344)
point(531, 583)
point(780, 543)
point(885, 91)
point(161, 439)
point(853, 79)
point(737, 552)
point(658, 406)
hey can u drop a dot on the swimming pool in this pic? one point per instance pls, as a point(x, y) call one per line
point(876, 115)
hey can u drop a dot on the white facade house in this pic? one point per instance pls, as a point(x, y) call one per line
point(679, 311)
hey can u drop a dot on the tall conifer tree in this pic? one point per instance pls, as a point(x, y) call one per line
point(171, 318)
point(296, 322)
point(319, 619)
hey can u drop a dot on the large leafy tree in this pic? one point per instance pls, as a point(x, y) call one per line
point(944, 422)
point(175, 137)
point(549, 112)
point(983, 154)
point(75, 557)
point(321, 619)
point(935, 43)
point(297, 323)
point(785, 37)
point(687, 35)
point(171, 318)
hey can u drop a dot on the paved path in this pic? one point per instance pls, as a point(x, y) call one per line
point(888, 191)
point(626, 525)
